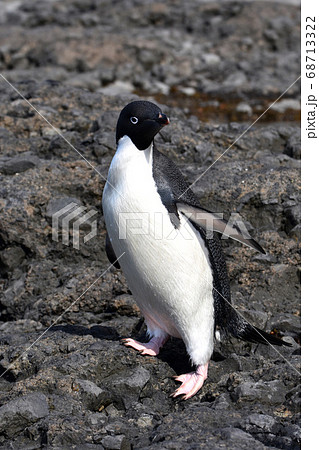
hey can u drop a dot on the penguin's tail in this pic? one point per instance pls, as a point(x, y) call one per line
point(241, 329)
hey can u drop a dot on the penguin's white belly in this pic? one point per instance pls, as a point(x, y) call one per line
point(167, 269)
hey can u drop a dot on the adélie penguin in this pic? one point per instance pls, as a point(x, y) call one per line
point(173, 263)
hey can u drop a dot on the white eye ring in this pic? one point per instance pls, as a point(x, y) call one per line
point(134, 120)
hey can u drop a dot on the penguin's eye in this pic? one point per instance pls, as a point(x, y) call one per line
point(134, 120)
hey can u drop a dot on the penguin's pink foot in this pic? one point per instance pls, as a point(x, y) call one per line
point(191, 382)
point(150, 348)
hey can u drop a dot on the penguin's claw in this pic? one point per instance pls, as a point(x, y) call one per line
point(182, 378)
point(147, 348)
point(150, 348)
point(191, 382)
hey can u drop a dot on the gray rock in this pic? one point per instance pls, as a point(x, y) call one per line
point(97, 420)
point(235, 79)
point(244, 108)
point(107, 139)
point(92, 395)
point(129, 386)
point(258, 318)
point(22, 412)
point(88, 80)
point(293, 146)
point(272, 392)
point(119, 442)
point(286, 322)
point(117, 88)
point(293, 217)
point(211, 58)
point(104, 143)
point(10, 258)
point(295, 232)
point(19, 325)
point(88, 387)
point(287, 103)
point(261, 423)
point(243, 440)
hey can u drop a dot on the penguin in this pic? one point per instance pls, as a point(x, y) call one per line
point(167, 248)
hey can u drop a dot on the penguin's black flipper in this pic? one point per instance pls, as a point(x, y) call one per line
point(210, 222)
point(241, 329)
point(176, 196)
point(254, 334)
point(110, 252)
point(226, 317)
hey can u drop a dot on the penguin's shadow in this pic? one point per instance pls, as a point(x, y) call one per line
point(175, 355)
point(172, 353)
point(97, 331)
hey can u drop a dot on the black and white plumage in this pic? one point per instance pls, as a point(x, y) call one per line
point(176, 273)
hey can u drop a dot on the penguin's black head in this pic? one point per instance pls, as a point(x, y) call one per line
point(140, 121)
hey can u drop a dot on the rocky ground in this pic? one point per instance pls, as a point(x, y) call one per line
point(78, 63)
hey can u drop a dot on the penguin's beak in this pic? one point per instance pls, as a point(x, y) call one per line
point(163, 119)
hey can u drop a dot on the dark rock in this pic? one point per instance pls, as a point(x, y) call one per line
point(10, 258)
point(88, 80)
point(293, 218)
point(124, 305)
point(293, 146)
point(129, 385)
point(17, 326)
point(119, 442)
point(243, 440)
point(21, 412)
point(104, 142)
point(271, 432)
point(295, 232)
point(106, 138)
point(286, 322)
point(18, 164)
